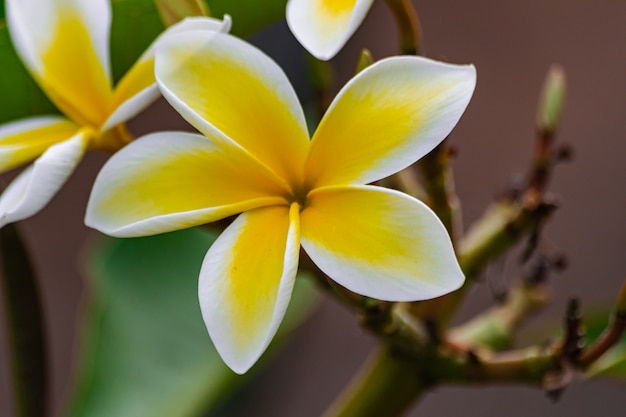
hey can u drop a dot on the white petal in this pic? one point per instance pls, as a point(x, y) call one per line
point(386, 118)
point(65, 44)
point(228, 89)
point(35, 187)
point(379, 243)
point(138, 89)
point(324, 26)
point(132, 107)
point(246, 282)
point(32, 24)
point(24, 140)
point(172, 180)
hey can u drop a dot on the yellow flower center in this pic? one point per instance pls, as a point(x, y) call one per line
point(299, 196)
point(112, 140)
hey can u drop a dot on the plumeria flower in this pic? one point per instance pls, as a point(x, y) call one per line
point(255, 158)
point(324, 26)
point(65, 46)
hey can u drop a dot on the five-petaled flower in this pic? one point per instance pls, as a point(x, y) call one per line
point(65, 46)
point(324, 26)
point(256, 159)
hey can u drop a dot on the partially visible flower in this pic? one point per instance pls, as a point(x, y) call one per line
point(65, 46)
point(257, 159)
point(324, 26)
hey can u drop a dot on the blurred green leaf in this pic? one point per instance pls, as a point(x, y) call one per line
point(136, 23)
point(365, 60)
point(248, 16)
point(20, 96)
point(146, 351)
point(613, 363)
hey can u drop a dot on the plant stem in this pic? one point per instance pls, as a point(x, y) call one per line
point(530, 366)
point(387, 386)
point(610, 337)
point(495, 328)
point(439, 185)
point(25, 326)
point(408, 26)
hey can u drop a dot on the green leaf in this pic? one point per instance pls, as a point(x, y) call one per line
point(365, 60)
point(146, 352)
point(613, 363)
point(20, 96)
point(249, 16)
point(136, 23)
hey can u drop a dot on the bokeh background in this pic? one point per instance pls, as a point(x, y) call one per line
point(512, 44)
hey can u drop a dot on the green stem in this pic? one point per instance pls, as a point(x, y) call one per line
point(610, 337)
point(408, 25)
point(495, 328)
point(387, 386)
point(25, 326)
point(439, 186)
point(390, 384)
point(531, 366)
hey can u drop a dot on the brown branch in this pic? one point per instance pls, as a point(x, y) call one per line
point(605, 342)
point(439, 186)
point(409, 28)
point(574, 337)
point(610, 337)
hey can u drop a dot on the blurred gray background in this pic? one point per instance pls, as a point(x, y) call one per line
point(512, 45)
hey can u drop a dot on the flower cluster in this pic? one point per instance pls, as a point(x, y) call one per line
point(65, 46)
point(253, 159)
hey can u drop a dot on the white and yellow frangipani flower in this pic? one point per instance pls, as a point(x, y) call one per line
point(324, 26)
point(65, 47)
point(256, 158)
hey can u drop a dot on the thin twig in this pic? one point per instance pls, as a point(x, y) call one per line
point(409, 28)
point(610, 337)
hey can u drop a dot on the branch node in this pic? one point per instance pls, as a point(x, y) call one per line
point(573, 343)
point(557, 381)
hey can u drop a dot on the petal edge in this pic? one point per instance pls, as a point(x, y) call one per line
point(324, 26)
point(33, 189)
point(246, 282)
point(173, 180)
point(386, 118)
point(379, 243)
